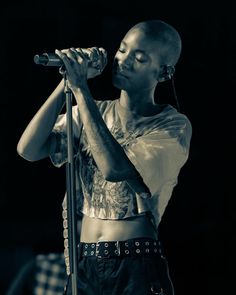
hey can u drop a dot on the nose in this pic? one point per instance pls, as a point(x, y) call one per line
point(125, 62)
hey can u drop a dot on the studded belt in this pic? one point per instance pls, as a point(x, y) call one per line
point(132, 247)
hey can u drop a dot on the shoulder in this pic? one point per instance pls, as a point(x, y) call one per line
point(169, 112)
point(104, 105)
point(171, 119)
point(107, 109)
point(169, 126)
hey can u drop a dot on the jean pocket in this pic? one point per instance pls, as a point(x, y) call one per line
point(159, 282)
point(156, 289)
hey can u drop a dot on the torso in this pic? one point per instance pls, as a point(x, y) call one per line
point(93, 230)
point(113, 208)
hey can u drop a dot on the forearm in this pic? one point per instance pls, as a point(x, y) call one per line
point(107, 152)
point(34, 143)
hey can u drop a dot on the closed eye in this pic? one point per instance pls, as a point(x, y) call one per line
point(141, 60)
point(122, 50)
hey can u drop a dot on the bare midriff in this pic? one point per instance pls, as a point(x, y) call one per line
point(94, 230)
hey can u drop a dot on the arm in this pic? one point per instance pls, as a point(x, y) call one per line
point(107, 152)
point(23, 282)
point(35, 143)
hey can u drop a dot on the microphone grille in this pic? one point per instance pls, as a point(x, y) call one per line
point(40, 59)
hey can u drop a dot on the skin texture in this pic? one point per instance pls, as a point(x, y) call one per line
point(137, 69)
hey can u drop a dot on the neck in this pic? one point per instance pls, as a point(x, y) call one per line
point(138, 103)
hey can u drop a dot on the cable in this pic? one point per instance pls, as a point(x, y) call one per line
point(174, 92)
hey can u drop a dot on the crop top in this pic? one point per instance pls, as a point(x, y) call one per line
point(158, 146)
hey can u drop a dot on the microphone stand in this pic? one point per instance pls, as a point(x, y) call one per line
point(71, 195)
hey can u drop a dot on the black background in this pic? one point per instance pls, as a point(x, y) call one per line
point(197, 228)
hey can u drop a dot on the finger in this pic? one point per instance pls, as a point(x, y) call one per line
point(94, 55)
point(62, 70)
point(89, 54)
point(95, 58)
point(63, 57)
point(101, 49)
point(65, 50)
point(73, 56)
point(80, 52)
point(103, 56)
point(103, 52)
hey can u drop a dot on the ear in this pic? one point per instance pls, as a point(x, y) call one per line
point(167, 72)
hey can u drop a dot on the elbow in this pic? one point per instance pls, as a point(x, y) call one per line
point(22, 152)
point(20, 149)
point(114, 175)
point(111, 178)
point(115, 171)
point(111, 175)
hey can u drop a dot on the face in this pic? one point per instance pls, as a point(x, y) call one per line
point(136, 64)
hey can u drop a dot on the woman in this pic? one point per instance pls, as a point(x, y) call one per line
point(129, 152)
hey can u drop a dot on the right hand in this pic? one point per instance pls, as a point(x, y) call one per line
point(96, 59)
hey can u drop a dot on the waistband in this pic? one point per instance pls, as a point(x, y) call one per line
point(131, 247)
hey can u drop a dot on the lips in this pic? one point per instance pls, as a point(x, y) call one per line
point(118, 72)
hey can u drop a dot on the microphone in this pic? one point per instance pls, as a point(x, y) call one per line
point(53, 60)
point(48, 59)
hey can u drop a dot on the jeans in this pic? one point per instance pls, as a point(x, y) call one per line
point(123, 276)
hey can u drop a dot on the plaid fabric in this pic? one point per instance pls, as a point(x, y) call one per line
point(51, 275)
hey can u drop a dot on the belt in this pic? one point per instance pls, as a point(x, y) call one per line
point(132, 247)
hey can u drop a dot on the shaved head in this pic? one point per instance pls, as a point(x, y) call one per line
point(166, 36)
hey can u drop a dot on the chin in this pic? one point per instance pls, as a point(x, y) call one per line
point(119, 83)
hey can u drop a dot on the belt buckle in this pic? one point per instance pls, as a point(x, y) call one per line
point(97, 250)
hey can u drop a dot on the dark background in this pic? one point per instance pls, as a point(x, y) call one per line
point(197, 228)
